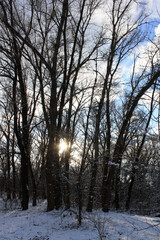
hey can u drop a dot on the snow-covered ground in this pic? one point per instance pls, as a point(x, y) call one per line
point(37, 224)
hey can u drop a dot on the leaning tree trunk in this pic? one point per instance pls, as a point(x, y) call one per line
point(120, 142)
point(134, 170)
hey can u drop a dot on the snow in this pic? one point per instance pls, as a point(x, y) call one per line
point(37, 224)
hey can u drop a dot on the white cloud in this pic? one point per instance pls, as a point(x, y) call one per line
point(157, 31)
point(99, 16)
point(147, 53)
point(153, 6)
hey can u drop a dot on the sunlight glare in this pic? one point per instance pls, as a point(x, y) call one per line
point(62, 146)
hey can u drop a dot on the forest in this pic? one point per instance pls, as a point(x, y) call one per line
point(80, 104)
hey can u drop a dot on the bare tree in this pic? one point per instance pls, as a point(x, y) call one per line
point(119, 43)
point(65, 51)
point(16, 73)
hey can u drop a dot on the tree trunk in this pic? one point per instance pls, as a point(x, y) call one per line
point(50, 179)
point(58, 193)
point(96, 154)
point(34, 191)
point(24, 182)
point(106, 188)
point(117, 188)
point(8, 165)
point(129, 194)
point(92, 186)
point(54, 197)
point(13, 170)
point(66, 183)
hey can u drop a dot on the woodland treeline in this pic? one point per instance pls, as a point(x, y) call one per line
point(68, 72)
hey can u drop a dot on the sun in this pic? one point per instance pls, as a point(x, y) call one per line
point(62, 146)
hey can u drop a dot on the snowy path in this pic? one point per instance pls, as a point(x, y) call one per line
point(36, 224)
